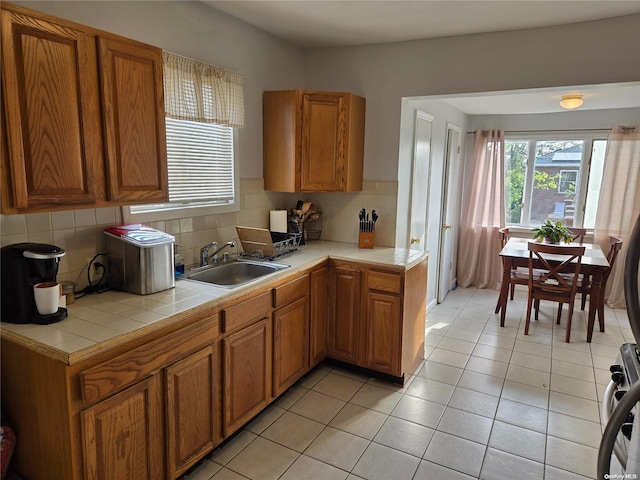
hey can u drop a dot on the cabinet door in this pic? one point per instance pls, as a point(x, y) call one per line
point(318, 315)
point(343, 322)
point(193, 417)
point(133, 109)
point(123, 435)
point(247, 374)
point(50, 88)
point(290, 344)
point(324, 129)
point(383, 333)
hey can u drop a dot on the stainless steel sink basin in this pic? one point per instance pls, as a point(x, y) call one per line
point(234, 273)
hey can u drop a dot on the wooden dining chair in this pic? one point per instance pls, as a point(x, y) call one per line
point(584, 285)
point(555, 284)
point(578, 234)
point(518, 276)
point(521, 279)
point(503, 235)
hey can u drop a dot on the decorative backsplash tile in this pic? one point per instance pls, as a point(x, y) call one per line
point(80, 232)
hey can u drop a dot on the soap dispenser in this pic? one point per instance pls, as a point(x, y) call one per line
point(178, 262)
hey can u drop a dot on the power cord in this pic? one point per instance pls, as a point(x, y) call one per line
point(99, 287)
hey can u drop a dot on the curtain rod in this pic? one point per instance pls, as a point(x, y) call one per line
point(560, 130)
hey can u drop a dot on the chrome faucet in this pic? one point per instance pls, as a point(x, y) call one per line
point(205, 256)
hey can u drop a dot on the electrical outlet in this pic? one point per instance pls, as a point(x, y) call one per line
point(94, 271)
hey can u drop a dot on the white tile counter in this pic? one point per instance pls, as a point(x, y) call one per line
point(98, 321)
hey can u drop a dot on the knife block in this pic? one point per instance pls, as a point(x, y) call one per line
point(366, 239)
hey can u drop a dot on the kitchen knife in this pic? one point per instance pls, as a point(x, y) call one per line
point(374, 215)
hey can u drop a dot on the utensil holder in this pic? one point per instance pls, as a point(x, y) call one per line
point(366, 239)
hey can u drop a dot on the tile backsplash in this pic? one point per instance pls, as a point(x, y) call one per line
point(80, 232)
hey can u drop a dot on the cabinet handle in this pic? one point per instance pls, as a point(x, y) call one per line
point(415, 240)
point(446, 227)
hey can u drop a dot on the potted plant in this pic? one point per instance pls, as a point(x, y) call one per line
point(552, 233)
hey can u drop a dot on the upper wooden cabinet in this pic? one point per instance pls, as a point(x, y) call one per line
point(313, 141)
point(133, 112)
point(83, 116)
point(51, 102)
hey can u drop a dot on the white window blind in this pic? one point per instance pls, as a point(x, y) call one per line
point(200, 162)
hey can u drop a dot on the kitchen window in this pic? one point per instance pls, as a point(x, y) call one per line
point(553, 177)
point(204, 106)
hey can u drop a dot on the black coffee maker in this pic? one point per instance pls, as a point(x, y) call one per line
point(23, 265)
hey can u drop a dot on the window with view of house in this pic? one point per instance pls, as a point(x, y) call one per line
point(553, 178)
point(567, 181)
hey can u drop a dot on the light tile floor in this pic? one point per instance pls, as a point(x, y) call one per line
point(488, 403)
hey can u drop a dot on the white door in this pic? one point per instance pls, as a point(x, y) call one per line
point(449, 232)
point(420, 180)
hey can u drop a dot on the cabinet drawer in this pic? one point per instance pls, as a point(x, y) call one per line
point(244, 312)
point(108, 377)
point(384, 281)
point(289, 292)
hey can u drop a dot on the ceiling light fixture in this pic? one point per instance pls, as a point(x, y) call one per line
point(571, 102)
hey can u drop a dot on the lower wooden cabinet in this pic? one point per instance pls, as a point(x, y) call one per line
point(290, 344)
point(247, 374)
point(377, 316)
point(123, 435)
point(343, 324)
point(382, 332)
point(192, 412)
point(318, 313)
point(151, 408)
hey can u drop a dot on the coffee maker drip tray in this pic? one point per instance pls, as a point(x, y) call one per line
point(61, 314)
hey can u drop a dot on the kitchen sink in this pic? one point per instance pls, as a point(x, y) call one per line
point(233, 273)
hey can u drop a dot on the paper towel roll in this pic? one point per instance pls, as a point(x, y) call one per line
point(278, 221)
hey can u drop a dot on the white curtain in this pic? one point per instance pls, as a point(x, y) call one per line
point(619, 202)
point(200, 92)
point(479, 264)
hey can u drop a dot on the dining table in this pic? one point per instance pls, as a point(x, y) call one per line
point(594, 264)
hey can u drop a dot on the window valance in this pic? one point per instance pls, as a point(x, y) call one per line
point(199, 92)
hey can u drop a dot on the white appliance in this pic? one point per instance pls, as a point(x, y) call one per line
point(621, 401)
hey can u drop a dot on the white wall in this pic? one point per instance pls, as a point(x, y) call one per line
point(195, 30)
point(605, 51)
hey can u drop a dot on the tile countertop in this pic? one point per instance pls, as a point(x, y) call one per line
point(99, 321)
